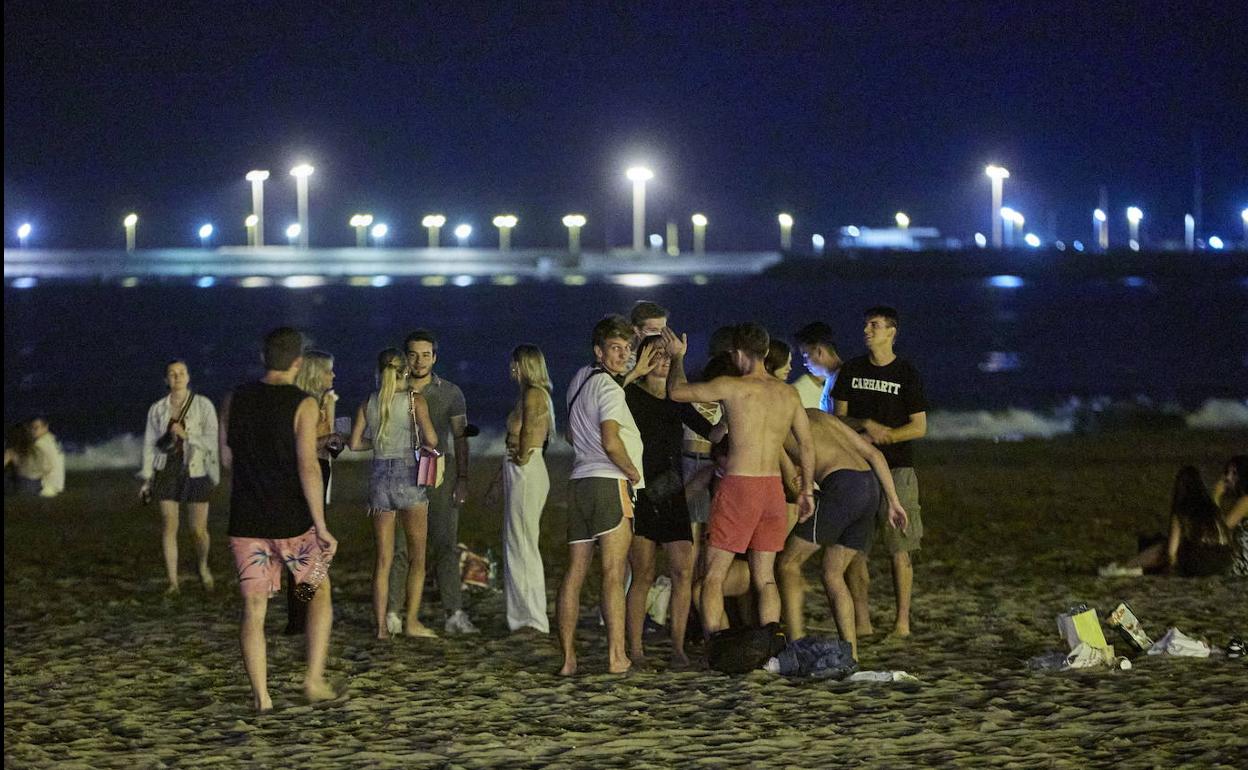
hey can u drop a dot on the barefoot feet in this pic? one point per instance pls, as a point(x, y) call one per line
point(318, 690)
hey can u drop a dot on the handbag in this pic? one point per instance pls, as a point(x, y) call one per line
point(1081, 625)
point(430, 463)
point(169, 441)
point(741, 650)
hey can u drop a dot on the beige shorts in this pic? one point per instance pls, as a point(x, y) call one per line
point(895, 540)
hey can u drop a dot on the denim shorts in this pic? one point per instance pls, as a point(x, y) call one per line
point(392, 486)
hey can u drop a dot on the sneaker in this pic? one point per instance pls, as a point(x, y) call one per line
point(1113, 570)
point(459, 623)
point(394, 623)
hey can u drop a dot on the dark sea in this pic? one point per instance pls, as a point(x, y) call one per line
point(92, 357)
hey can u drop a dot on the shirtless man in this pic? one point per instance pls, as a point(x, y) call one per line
point(843, 521)
point(748, 513)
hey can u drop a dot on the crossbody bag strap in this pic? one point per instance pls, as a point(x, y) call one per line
point(597, 370)
point(411, 413)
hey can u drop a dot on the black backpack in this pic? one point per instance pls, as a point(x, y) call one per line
point(740, 650)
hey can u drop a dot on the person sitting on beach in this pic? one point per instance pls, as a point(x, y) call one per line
point(37, 459)
point(1230, 494)
point(748, 511)
point(393, 422)
point(180, 466)
point(277, 510)
point(526, 485)
point(605, 471)
point(662, 515)
point(1199, 541)
point(851, 472)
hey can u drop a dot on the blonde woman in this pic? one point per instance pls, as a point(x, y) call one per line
point(525, 487)
point(384, 424)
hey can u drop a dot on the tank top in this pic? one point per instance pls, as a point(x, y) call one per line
point(266, 500)
point(397, 442)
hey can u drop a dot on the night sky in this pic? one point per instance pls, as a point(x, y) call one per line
point(839, 114)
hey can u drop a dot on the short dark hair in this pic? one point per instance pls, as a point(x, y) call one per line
point(421, 335)
point(778, 352)
point(816, 333)
point(720, 365)
point(882, 311)
point(173, 361)
point(721, 339)
point(752, 339)
point(644, 310)
point(610, 327)
point(281, 347)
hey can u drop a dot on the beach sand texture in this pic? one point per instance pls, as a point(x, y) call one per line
point(100, 670)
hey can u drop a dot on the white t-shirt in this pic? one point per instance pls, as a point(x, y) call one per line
point(600, 400)
point(810, 389)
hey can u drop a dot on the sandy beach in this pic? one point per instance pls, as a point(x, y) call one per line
point(101, 670)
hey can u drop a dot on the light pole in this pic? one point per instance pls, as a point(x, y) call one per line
point(301, 174)
point(205, 232)
point(903, 221)
point(23, 232)
point(504, 223)
point(1009, 217)
point(574, 223)
point(998, 175)
point(379, 233)
point(817, 244)
point(131, 222)
point(1189, 232)
point(433, 224)
point(257, 178)
point(1100, 228)
point(639, 176)
point(1243, 215)
point(786, 231)
point(699, 233)
point(1134, 215)
point(361, 222)
point(462, 233)
point(1019, 221)
point(292, 232)
point(250, 223)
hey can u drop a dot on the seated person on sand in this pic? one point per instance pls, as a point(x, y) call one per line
point(1199, 542)
point(1230, 494)
point(851, 472)
point(37, 459)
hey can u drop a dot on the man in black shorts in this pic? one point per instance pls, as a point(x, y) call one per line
point(843, 522)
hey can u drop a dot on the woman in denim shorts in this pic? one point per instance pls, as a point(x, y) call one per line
point(392, 422)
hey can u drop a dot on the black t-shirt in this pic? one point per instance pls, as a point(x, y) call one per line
point(886, 394)
point(659, 423)
point(266, 498)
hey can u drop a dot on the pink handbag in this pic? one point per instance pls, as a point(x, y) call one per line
point(430, 463)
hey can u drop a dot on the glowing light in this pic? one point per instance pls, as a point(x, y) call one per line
point(817, 241)
point(463, 280)
point(1077, 245)
point(639, 280)
point(256, 282)
point(700, 280)
point(656, 241)
point(130, 281)
point(785, 220)
point(379, 281)
point(997, 172)
point(25, 282)
point(258, 175)
point(1244, 216)
point(574, 220)
point(303, 281)
point(1032, 240)
point(1134, 215)
point(131, 220)
point(505, 280)
point(852, 231)
point(205, 232)
point(463, 232)
point(1005, 282)
point(206, 282)
point(1215, 242)
point(903, 221)
point(433, 280)
point(639, 174)
point(505, 220)
point(1059, 245)
point(360, 220)
point(251, 221)
point(292, 231)
point(433, 220)
point(574, 280)
point(699, 220)
point(302, 171)
point(981, 240)
point(1099, 215)
point(1018, 219)
point(380, 231)
point(1008, 213)
point(23, 231)
point(1134, 281)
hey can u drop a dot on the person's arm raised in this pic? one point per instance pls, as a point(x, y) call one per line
point(678, 386)
point(307, 416)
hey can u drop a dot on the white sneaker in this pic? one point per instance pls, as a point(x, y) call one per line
point(459, 623)
point(394, 623)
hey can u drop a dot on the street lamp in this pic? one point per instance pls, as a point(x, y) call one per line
point(1100, 228)
point(205, 232)
point(292, 232)
point(379, 233)
point(903, 221)
point(1009, 218)
point(1189, 232)
point(433, 223)
point(1032, 240)
point(462, 233)
point(250, 223)
point(786, 231)
point(998, 175)
point(130, 223)
point(574, 223)
point(23, 232)
point(817, 243)
point(699, 233)
point(639, 176)
point(1244, 216)
point(301, 174)
point(257, 178)
point(361, 222)
point(1134, 215)
point(504, 223)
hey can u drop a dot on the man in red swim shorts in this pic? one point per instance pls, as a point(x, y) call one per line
point(748, 513)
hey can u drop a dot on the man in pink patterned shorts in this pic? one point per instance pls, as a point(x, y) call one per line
point(277, 512)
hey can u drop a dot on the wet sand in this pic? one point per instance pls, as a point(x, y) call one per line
point(101, 670)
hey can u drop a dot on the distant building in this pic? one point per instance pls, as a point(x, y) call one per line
point(896, 238)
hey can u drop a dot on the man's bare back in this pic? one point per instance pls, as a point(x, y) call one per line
point(837, 447)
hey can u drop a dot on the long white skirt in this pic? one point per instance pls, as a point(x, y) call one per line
point(525, 488)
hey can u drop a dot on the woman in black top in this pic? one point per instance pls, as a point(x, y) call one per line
point(662, 514)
